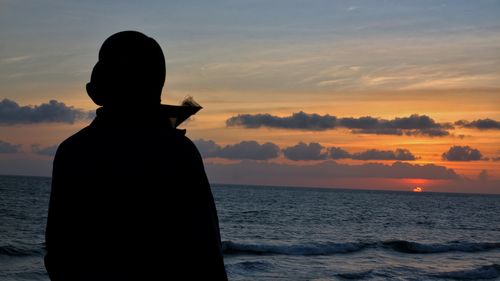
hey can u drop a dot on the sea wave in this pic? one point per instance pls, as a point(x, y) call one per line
point(454, 246)
point(355, 275)
point(251, 266)
point(491, 271)
point(315, 249)
point(21, 251)
point(330, 248)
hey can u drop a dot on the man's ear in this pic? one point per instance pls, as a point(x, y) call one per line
point(94, 94)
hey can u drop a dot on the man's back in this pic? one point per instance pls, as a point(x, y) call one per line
point(130, 199)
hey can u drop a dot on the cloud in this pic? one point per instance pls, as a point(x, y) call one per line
point(207, 148)
point(249, 150)
point(47, 151)
point(462, 153)
point(365, 122)
point(481, 124)
point(298, 152)
point(412, 125)
point(244, 150)
point(414, 121)
point(302, 151)
point(251, 172)
point(338, 153)
point(372, 154)
point(379, 131)
point(375, 154)
point(432, 132)
point(299, 120)
point(6, 147)
point(12, 113)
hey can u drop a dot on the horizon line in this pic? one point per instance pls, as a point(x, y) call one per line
point(305, 187)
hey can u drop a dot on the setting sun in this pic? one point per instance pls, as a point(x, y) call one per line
point(418, 189)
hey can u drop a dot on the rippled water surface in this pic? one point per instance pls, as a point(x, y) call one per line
point(278, 233)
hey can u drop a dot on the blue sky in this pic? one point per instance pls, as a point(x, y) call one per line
point(214, 36)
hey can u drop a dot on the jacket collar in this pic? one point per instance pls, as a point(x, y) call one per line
point(162, 115)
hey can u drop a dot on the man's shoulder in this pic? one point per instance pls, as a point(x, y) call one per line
point(186, 142)
point(76, 139)
point(183, 145)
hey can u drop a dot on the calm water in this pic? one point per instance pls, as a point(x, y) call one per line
point(273, 233)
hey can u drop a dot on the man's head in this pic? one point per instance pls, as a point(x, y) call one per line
point(130, 71)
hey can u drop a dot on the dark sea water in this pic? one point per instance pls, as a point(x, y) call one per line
point(279, 233)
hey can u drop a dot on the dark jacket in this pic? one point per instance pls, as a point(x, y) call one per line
point(130, 200)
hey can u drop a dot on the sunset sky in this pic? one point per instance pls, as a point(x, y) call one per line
point(385, 94)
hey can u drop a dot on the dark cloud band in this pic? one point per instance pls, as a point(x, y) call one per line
point(375, 154)
point(12, 113)
point(300, 152)
point(481, 124)
point(462, 153)
point(412, 125)
point(46, 151)
point(326, 170)
point(6, 147)
point(251, 150)
point(299, 120)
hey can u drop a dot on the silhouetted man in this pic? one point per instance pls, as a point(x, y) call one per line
point(130, 198)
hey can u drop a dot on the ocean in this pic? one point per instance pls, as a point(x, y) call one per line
point(285, 233)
